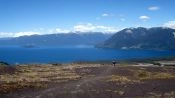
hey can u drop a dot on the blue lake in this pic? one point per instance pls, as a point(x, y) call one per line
point(16, 54)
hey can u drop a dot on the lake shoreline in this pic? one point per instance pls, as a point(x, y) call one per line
point(21, 55)
point(129, 61)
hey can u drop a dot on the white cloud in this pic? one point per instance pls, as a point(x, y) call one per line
point(84, 27)
point(17, 34)
point(111, 30)
point(51, 30)
point(144, 17)
point(25, 33)
point(105, 15)
point(5, 34)
point(108, 29)
point(153, 8)
point(58, 30)
point(94, 28)
point(87, 27)
point(169, 24)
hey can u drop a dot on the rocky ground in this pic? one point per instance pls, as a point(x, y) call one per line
point(87, 81)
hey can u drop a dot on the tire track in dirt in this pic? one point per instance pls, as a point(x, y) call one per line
point(81, 86)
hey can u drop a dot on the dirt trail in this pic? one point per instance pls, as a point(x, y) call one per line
point(81, 86)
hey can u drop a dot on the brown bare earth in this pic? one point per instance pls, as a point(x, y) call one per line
point(87, 81)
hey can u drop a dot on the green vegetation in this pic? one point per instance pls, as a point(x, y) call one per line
point(3, 64)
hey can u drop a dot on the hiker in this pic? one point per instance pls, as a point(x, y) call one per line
point(114, 62)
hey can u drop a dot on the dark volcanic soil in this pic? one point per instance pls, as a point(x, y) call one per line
point(106, 81)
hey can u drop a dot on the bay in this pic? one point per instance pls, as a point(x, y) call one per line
point(68, 54)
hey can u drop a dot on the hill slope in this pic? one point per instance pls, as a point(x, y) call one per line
point(142, 38)
point(57, 39)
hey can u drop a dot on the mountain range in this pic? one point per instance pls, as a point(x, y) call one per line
point(130, 38)
point(88, 38)
point(142, 38)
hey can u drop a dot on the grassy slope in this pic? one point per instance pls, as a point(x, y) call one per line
point(87, 79)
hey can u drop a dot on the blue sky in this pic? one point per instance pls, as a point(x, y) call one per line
point(27, 17)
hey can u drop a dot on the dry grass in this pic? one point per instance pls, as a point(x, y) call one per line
point(119, 79)
point(32, 76)
point(37, 76)
point(145, 75)
point(120, 92)
point(8, 87)
point(161, 95)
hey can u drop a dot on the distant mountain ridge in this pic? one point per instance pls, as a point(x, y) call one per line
point(142, 38)
point(60, 39)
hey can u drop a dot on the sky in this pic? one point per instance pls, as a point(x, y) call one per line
point(28, 17)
